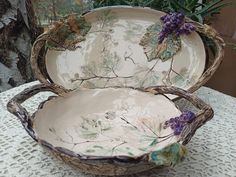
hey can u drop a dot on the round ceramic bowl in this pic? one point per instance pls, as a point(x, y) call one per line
point(112, 131)
point(118, 46)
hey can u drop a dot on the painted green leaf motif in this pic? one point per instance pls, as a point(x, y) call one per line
point(52, 130)
point(154, 50)
point(88, 135)
point(130, 153)
point(151, 79)
point(92, 128)
point(182, 78)
point(154, 142)
point(142, 149)
point(98, 147)
point(90, 150)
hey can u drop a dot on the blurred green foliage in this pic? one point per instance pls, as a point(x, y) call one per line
point(191, 8)
point(198, 10)
point(233, 45)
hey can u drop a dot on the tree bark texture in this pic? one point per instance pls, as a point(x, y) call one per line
point(18, 30)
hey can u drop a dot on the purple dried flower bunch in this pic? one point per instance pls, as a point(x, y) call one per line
point(174, 23)
point(177, 124)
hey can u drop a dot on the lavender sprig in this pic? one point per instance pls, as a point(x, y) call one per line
point(178, 123)
point(174, 23)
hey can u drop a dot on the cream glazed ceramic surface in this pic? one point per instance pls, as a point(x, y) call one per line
point(107, 122)
point(115, 53)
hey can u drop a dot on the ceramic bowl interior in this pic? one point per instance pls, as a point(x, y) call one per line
point(107, 122)
point(112, 54)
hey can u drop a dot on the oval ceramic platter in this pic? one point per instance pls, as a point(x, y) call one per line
point(118, 46)
point(128, 123)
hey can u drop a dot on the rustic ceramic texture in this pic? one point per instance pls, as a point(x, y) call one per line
point(119, 50)
point(63, 131)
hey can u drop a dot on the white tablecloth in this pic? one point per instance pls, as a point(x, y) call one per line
point(212, 151)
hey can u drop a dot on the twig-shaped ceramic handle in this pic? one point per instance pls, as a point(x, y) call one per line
point(14, 105)
point(219, 43)
point(205, 113)
point(53, 34)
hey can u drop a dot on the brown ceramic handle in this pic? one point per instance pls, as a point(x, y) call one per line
point(14, 105)
point(37, 49)
point(206, 112)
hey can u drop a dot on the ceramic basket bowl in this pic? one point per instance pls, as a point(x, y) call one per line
point(110, 116)
point(110, 131)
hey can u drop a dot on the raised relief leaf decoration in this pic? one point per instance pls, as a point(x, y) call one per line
point(170, 155)
point(66, 34)
point(153, 50)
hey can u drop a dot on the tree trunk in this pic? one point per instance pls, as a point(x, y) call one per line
point(18, 30)
point(54, 10)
